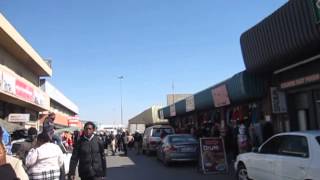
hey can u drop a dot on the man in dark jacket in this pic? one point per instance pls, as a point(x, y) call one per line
point(89, 151)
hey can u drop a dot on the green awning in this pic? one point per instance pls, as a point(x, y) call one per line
point(242, 87)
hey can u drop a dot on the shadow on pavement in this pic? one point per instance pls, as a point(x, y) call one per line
point(137, 167)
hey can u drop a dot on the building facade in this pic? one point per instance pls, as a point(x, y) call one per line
point(66, 111)
point(21, 68)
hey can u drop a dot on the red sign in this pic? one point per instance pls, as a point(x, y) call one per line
point(24, 91)
point(213, 155)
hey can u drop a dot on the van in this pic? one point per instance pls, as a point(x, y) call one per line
point(152, 137)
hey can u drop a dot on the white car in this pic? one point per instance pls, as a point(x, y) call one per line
point(292, 155)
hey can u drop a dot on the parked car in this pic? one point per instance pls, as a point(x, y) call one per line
point(292, 155)
point(178, 147)
point(152, 137)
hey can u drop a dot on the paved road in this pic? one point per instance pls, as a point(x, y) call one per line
point(138, 167)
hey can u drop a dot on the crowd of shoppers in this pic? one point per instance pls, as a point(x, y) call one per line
point(39, 156)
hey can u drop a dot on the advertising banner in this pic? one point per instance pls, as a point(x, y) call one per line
point(278, 100)
point(172, 110)
point(220, 96)
point(213, 155)
point(24, 91)
point(9, 83)
point(18, 117)
point(190, 103)
point(316, 7)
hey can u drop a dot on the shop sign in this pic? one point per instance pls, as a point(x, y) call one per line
point(9, 83)
point(172, 110)
point(73, 122)
point(300, 81)
point(213, 155)
point(13, 117)
point(161, 114)
point(220, 96)
point(24, 91)
point(316, 7)
point(278, 100)
point(190, 106)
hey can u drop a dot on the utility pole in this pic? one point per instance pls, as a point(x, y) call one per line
point(121, 78)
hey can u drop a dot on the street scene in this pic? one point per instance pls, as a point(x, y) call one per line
point(171, 89)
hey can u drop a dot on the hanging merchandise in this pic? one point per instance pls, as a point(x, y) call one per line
point(255, 130)
point(236, 114)
point(217, 116)
point(243, 139)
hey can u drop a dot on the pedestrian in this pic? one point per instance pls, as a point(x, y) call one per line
point(18, 168)
point(2, 149)
point(48, 127)
point(125, 142)
point(75, 138)
point(138, 142)
point(119, 142)
point(130, 141)
point(28, 144)
point(89, 152)
point(113, 143)
point(44, 160)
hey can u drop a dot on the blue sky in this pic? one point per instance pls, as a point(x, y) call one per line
point(195, 43)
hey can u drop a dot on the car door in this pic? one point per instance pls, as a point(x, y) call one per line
point(295, 158)
point(261, 164)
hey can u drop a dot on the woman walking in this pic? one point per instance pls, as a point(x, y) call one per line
point(44, 161)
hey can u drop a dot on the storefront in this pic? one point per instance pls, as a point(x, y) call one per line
point(285, 47)
point(217, 110)
point(301, 86)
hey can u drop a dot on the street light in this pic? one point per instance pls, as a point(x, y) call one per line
point(121, 78)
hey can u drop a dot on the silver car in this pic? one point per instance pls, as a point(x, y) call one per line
point(178, 147)
point(152, 137)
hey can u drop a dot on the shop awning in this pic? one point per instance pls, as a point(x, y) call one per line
point(242, 87)
point(289, 35)
point(10, 127)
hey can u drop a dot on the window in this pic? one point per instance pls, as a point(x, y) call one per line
point(156, 132)
point(294, 145)
point(272, 146)
point(318, 139)
point(182, 139)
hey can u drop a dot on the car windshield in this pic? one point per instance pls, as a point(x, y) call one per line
point(318, 139)
point(158, 131)
point(182, 139)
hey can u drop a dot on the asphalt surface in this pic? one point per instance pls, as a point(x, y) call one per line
point(137, 167)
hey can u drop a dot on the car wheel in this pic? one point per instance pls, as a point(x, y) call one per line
point(242, 173)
